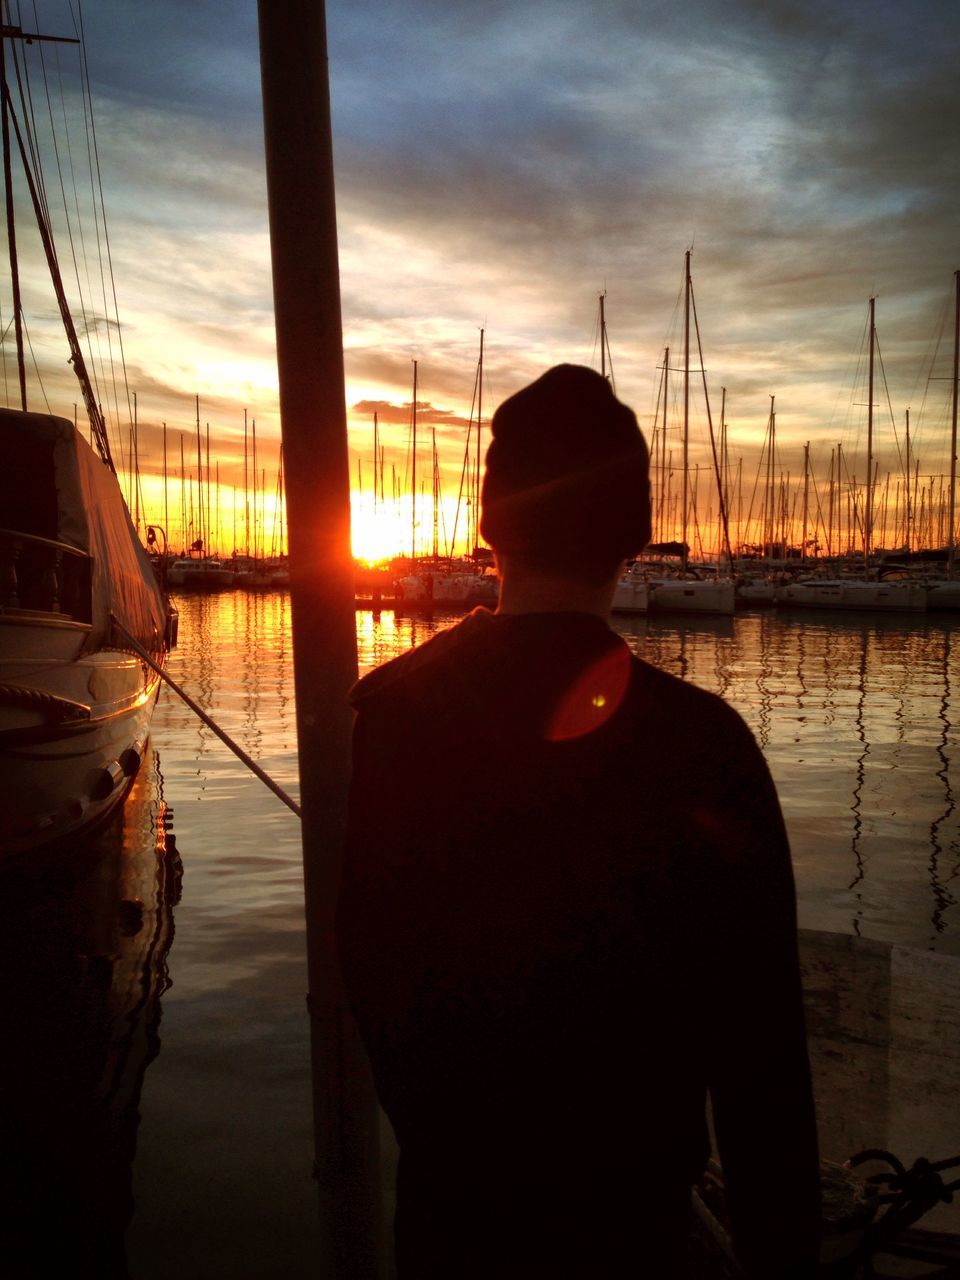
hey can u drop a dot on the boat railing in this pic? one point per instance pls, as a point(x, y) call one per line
point(40, 575)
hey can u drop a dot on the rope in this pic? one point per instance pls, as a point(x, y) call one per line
point(50, 704)
point(225, 738)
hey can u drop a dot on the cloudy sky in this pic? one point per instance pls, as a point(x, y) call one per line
point(500, 165)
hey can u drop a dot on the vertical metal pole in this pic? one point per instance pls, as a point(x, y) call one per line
point(376, 454)
point(166, 502)
point(136, 465)
point(476, 505)
point(413, 478)
point(906, 488)
point(183, 502)
point(662, 513)
point(603, 339)
point(203, 548)
point(303, 233)
point(868, 512)
point(806, 499)
point(952, 554)
point(686, 404)
point(246, 491)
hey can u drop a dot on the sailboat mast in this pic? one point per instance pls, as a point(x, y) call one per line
point(136, 465)
point(201, 540)
point(663, 513)
point(868, 512)
point(376, 455)
point(806, 500)
point(686, 404)
point(211, 532)
point(166, 503)
point(724, 496)
point(952, 554)
point(246, 491)
point(603, 339)
point(183, 500)
point(906, 488)
point(254, 448)
point(773, 472)
point(413, 475)
point(476, 505)
point(436, 500)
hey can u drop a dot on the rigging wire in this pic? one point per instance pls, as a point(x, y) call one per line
point(33, 357)
point(464, 469)
point(103, 210)
point(68, 220)
point(98, 213)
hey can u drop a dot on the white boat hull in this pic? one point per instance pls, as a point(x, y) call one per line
point(631, 594)
point(943, 595)
point(446, 590)
point(75, 704)
point(73, 731)
point(755, 593)
point(199, 575)
point(874, 597)
point(688, 595)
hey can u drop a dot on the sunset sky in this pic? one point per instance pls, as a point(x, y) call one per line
point(499, 166)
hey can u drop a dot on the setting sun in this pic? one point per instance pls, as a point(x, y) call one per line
point(383, 528)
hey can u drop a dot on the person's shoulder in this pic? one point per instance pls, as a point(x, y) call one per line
point(407, 675)
point(679, 694)
point(685, 706)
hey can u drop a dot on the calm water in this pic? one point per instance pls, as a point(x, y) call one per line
point(195, 896)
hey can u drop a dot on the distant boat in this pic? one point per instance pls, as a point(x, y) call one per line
point(440, 588)
point(203, 574)
point(75, 585)
point(754, 591)
point(943, 593)
point(685, 594)
point(854, 593)
point(631, 594)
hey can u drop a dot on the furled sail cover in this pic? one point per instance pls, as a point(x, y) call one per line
point(88, 513)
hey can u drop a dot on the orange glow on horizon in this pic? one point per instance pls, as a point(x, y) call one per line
point(383, 529)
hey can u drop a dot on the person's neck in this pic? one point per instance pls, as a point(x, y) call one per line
point(530, 592)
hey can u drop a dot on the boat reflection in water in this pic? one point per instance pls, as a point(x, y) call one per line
point(85, 937)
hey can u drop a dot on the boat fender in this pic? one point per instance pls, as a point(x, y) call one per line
point(106, 781)
point(129, 761)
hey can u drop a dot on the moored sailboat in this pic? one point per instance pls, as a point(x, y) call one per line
point(632, 592)
point(75, 582)
point(854, 593)
point(682, 591)
point(868, 590)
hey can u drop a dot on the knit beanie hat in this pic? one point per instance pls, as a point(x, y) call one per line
point(567, 471)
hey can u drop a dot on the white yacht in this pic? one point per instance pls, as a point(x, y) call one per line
point(692, 595)
point(854, 593)
point(632, 593)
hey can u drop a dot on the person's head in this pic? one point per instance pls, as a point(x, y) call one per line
point(566, 489)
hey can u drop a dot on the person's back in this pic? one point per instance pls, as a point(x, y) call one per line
point(567, 911)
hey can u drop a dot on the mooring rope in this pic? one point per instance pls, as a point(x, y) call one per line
point(224, 737)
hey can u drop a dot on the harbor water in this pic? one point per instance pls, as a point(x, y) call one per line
point(155, 983)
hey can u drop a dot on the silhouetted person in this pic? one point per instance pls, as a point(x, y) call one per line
point(568, 907)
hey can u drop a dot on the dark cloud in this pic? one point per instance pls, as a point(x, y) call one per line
point(427, 414)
